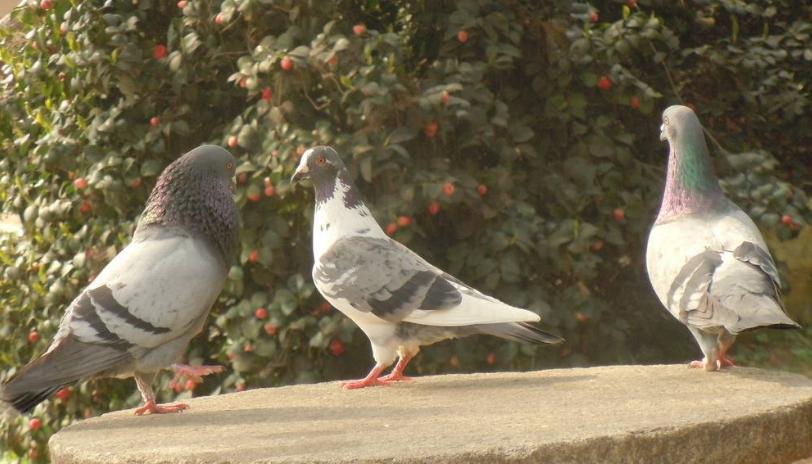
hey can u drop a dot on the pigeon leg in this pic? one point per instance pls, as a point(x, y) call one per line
point(194, 373)
point(397, 373)
point(150, 406)
point(726, 340)
point(708, 345)
point(371, 380)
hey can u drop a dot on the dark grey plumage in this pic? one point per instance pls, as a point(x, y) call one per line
point(138, 315)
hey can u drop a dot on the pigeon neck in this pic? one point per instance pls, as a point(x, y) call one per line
point(340, 212)
point(691, 185)
point(197, 203)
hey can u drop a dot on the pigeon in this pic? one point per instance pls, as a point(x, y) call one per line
point(138, 315)
point(398, 299)
point(705, 257)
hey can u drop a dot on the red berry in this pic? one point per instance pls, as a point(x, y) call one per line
point(190, 385)
point(270, 328)
point(243, 82)
point(604, 83)
point(253, 197)
point(593, 16)
point(286, 64)
point(182, 4)
point(491, 359)
point(159, 52)
point(359, 30)
point(253, 256)
point(135, 182)
point(391, 228)
point(482, 189)
point(33, 336)
point(63, 393)
point(404, 221)
point(261, 313)
point(786, 220)
point(248, 348)
point(242, 178)
point(232, 141)
point(634, 102)
point(462, 36)
point(336, 347)
point(631, 3)
point(154, 121)
point(444, 97)
point(269, 191)
point(85, 207)
point(619, 214)
point(448, 189)
point(46, 4)
point(333, 60)
point(266, 94)
point(434, 207)
point(34, 424)
point(80, 183)
point(430, 129)
point(219, 19)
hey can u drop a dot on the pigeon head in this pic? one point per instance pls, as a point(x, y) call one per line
point(195, 192)
point(326, 171)
point(691, 184)
point(680, 121)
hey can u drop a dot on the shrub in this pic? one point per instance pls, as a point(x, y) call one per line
point(543, 119)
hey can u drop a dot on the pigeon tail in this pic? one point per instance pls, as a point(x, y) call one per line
point(66, 362)
point(519, 332)
point(25, 401)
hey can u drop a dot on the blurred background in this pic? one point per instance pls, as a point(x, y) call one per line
point(513, 144)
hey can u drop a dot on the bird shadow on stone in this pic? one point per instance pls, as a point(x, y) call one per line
point(255, 416)
point(495, 382)
point(786, 379)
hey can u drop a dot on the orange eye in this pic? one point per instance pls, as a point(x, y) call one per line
point(229, 166)
point(321, 160)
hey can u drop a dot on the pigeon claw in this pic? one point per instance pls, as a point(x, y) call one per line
point(703, 364)
point(150, 407)
point(194, 373)
point(726, 362)
point(396, 377)
point(364, 383)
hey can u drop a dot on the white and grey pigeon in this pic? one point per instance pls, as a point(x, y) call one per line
point(396, 297)
point(139, 313)
point(706, 259)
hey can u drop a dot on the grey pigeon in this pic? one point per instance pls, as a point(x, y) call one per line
point(396, 297)
point(139, 314)
point(706, 259)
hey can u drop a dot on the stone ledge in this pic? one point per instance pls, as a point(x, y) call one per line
point(602, 414)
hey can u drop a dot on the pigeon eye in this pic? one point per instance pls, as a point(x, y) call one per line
point(321, 160)
point(666, 121)
point(229, 166)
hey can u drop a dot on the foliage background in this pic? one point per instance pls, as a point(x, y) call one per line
point(554, 109)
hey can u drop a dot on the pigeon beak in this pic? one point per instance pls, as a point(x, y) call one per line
point(302, 172)
point(663, 137)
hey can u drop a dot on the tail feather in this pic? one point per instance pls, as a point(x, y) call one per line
point(519, 332)
point(68, 362)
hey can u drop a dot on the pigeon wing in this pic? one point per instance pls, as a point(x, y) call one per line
point(383, 277)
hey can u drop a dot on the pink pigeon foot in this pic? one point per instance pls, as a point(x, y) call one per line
point(151, 408)
point(371, 380)
point(726, 362)
point(397, 373)
point(193, 373)
point(703, 364)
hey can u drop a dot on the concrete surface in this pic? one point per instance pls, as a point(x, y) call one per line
point(605, 414)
